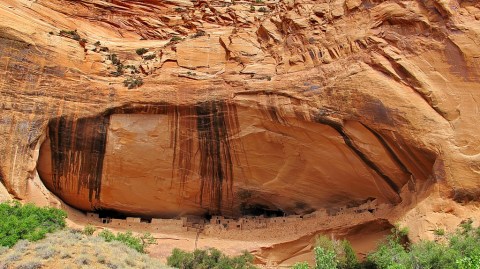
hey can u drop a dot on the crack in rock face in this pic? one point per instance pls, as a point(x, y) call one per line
point(219, 157)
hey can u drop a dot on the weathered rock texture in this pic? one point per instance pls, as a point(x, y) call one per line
point(308, 105)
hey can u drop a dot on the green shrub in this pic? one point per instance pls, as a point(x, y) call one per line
point(462, 251)
point(28, 222)
point(149, 57)
point(88, 230)
point(119, 70)
point(325, 259)
point(262, 9)
point(141, 51)
point(133, 82)
point(138, 243)
point(71, 34)
point(114, 58)
point(344, 254)
point(211, 258)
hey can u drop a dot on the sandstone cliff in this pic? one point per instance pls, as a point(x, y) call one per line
point(245, 107)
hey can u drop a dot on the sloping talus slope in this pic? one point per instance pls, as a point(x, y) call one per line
point(293, 106)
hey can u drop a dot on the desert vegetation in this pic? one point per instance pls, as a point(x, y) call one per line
point(133, 82)
point(459, 250)
point(138, 243)
point(27, 222)
point(35, 237)
point(209, 259)
point(73, 249)
point(141, 51)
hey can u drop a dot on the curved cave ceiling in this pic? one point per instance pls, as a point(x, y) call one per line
point(221, 157)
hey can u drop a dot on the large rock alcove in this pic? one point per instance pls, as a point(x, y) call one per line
point(224, 157)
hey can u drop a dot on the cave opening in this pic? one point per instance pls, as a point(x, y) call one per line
point(191, 154)
point(260, 210)
point(110, 214)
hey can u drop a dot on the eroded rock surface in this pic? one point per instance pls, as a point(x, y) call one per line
point(292, 105)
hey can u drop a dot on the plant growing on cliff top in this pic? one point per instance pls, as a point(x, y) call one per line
point(113, 57)
point(71, 34)
point(28, 222)
point(141, 51)
point(133, 82)
point(149, 57)
point(263, 9)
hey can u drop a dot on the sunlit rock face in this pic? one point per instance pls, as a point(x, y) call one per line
point(223, 158)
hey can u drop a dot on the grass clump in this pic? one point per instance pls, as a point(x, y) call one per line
point(28, 222)
point(138, 243)
point(210, 258)
point(71, 34)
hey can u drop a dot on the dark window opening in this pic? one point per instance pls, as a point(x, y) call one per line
point(142, 220)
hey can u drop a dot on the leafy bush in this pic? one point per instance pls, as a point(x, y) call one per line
point(141, 51)
point(325, 259)
point(138, 243)
point(88, 230)
point(461, 250)
point(28, 222)
point(344, 254)
point(208, 259)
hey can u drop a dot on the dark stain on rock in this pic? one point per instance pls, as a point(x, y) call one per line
point(390, 151)
point(378, 111)
point(216, 166)
point(78, 149)
point(348, 141)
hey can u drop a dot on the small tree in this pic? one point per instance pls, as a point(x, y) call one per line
point(325, 259)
